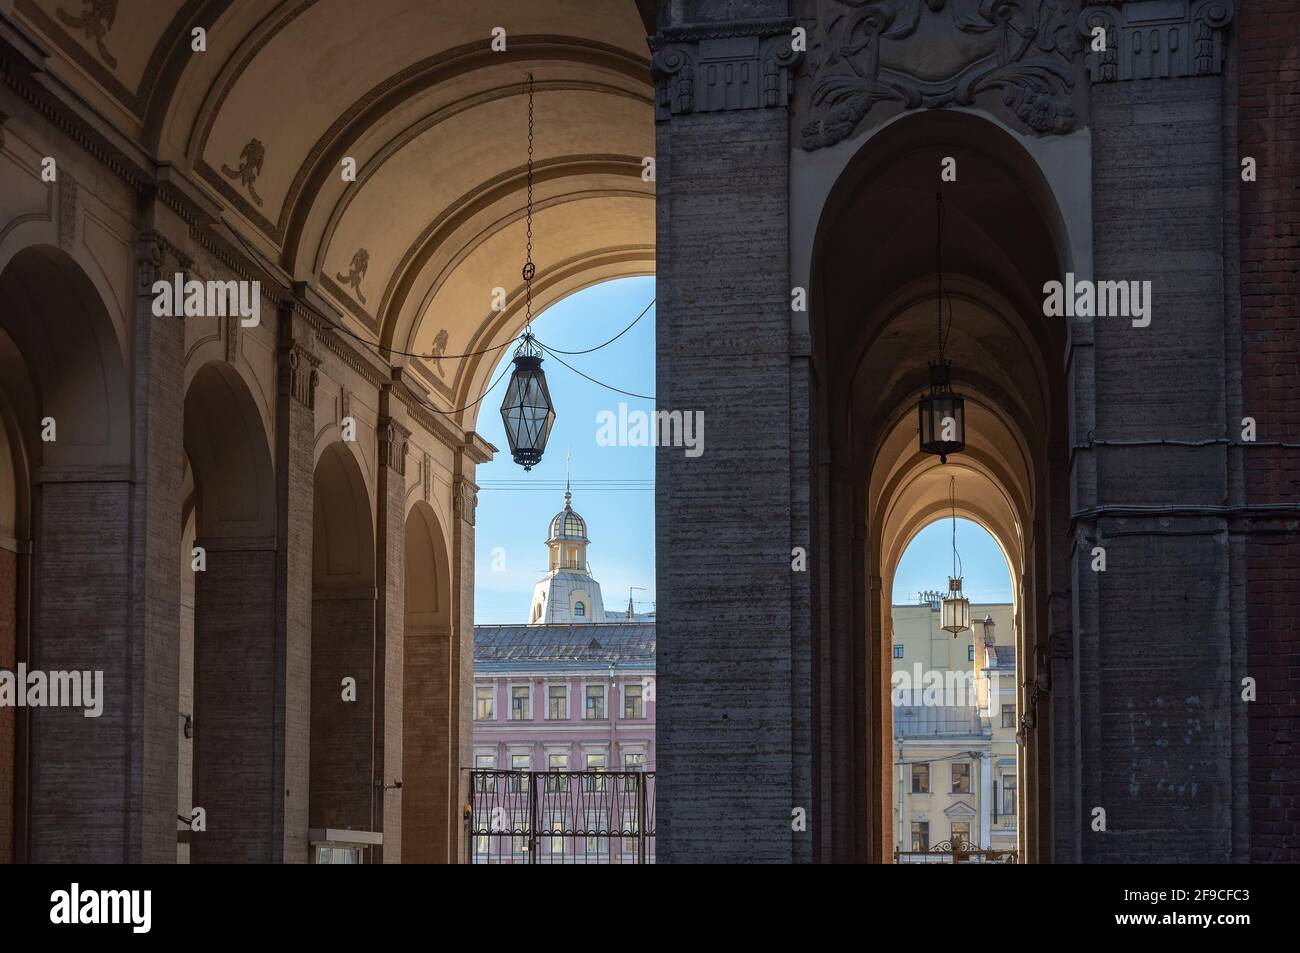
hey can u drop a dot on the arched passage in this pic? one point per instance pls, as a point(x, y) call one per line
point(429, 752)
point(875, 324)
point(234, 633)
point(342, 646)
point(64, 490)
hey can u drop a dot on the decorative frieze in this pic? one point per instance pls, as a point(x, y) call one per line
point(932, 53)
point(1157, 39)
point(725, 66)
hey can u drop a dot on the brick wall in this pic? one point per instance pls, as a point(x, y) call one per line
point(1269, 131)
point(8, 631)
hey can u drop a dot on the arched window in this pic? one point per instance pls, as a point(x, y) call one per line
point(579, 610)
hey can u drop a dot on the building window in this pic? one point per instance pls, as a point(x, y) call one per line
point(920, 778)
point(898, 650)
point(970, 652)
point(521, 708)
point(557, 702)
point(633, 706)
point(484, 702)
point(579, 610)
point(556, 762)
point(960, 778)
point(595, 709)
point(960, 833)
point(520, 765)
point(633, 763)
point(1009, 795)
point(596, 763)
point(920, 836)
point(485, 762)
point(1008, 716)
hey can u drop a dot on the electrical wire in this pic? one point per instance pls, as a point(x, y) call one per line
point(617, 390)
point(643, 313)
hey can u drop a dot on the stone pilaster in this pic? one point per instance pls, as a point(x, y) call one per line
point(464, 503)
point(1155, 633)
point(734, 758)
point(390, 551)
point(295, 472)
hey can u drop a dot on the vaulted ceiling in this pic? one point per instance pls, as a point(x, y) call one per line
point(264, 120)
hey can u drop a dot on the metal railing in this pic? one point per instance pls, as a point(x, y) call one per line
point(561, 817)
point(954, 852)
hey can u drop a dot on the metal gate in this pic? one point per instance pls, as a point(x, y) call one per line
point(562, 817)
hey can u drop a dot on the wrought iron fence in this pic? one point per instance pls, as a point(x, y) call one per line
point(562, 817)
point(954, 852)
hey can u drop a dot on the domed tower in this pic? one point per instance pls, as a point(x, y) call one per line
point(567, 593)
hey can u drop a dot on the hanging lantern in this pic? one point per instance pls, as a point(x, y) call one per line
point(526, 409)
point(943, 416)
point(942, 413)
point(956, 608)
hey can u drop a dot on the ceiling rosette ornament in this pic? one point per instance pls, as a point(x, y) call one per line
point(933, 53)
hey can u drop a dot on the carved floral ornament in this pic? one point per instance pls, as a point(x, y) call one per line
point(933, 53)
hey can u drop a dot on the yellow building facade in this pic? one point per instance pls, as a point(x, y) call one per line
point(955, 724)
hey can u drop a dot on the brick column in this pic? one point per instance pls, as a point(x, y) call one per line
point(294, 471)
point(1155, 633)
point(159, 374)
point(1269, 100)
point(733, 666)
point(390, 552)
point(464, 500)
point(79, 797)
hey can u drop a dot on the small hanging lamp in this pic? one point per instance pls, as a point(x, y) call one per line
point(942, 413)
point(955, 613)
point(526, 409)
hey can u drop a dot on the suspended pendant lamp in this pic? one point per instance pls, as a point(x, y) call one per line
point(942, 412)
point(526, 409)
point(955, 614)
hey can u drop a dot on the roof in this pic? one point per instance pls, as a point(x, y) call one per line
point(1006, 655)
point(567, 524)
point(503, 647)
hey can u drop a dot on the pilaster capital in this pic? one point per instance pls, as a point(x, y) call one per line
point(301, 365)
point(713, 67)
point(394, 442)
point(1166, 40)
point(464, 497)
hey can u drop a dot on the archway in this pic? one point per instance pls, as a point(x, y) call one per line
point(954, 716)
point(231, 514)
point(430, 755)
point(344, 695)
point(875, 322)
point(64, 486)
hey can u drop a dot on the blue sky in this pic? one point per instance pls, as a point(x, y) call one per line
point(620, 521)
point(512, 522)
point(927, 562)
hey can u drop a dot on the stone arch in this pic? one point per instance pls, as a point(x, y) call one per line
point(342, 645)
point(230, 508)
point(874, 329)
point(64, 496)
point(431, 690)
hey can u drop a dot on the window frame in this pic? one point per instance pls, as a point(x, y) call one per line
point(926, 766)
point(587, 697)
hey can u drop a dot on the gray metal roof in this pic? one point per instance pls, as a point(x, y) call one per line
point(499, 647)
point(1006, 655)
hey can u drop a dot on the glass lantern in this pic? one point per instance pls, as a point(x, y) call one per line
point(942, 415)
point(955, 609)
point(527, 410)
